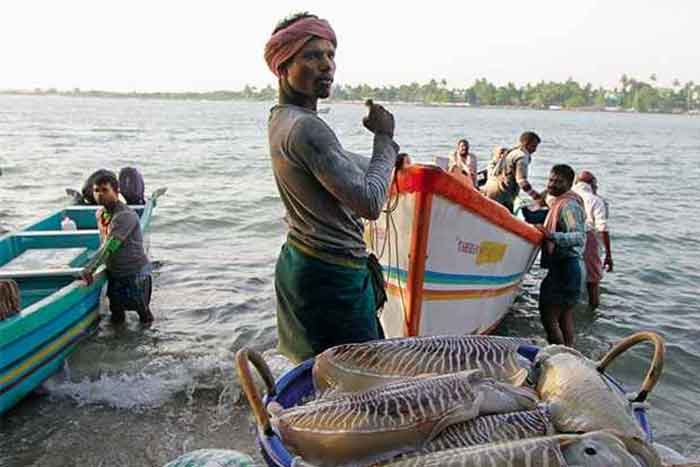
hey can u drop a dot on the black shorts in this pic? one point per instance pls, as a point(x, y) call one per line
point(131, 292)
point(563, 283)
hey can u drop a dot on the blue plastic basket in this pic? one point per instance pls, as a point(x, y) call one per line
point(297, 384)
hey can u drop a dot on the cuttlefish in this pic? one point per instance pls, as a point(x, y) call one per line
point(487, 429)
point(358, 367)
point(364, 427)
point(596, 449)
point(578, 396)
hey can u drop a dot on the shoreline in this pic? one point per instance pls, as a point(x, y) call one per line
point(230, 96)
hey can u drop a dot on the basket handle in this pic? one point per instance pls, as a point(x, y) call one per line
point(244, 357)
point(657, 361)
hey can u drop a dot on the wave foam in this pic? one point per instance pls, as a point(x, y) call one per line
point(159, 381)
point(152, 386)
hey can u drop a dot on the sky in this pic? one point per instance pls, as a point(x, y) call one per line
point(203, 45)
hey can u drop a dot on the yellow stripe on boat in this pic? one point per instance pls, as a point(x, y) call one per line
point(49, 349)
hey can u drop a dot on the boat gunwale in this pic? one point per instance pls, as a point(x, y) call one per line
point(422, 178)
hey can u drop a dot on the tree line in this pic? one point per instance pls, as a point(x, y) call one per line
point(629, 94)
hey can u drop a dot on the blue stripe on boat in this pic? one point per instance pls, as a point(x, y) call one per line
point(456, 279)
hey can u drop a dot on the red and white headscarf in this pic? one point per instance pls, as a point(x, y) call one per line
point(555, 208)
point(288, 41)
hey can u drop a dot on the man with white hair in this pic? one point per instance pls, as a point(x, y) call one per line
point(596, 232)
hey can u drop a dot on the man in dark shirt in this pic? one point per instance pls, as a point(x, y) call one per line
point(327, 286)
point(128, 268)
point(508, 172)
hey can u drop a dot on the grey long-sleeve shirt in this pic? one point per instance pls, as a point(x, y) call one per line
point(325, 189)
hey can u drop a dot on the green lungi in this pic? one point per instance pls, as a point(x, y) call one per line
point(322, 302)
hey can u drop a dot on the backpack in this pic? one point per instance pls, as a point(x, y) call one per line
point(132, 186)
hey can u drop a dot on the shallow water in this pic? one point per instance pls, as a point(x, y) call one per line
point(133, 397)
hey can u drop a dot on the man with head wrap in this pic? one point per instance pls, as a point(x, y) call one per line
point(325, 290)
point(596, 232)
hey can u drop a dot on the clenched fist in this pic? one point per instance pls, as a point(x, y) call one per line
point(379, 120)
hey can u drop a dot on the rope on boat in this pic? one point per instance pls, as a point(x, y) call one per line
point(657, 362)
point(389, 228)
point(244, 358)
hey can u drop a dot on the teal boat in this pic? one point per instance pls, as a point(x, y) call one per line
point(57, 309)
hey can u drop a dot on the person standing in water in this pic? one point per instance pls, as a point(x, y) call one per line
point(461, 160)
point(325, 282)
point(596, 233)
point(564, 239)
point(129, 282)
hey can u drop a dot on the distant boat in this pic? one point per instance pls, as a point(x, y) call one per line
point(453, 259)
point(324, 110)
point(57, 310)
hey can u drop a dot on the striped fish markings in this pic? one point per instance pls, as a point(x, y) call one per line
point(357, 367)
point(510, 426)
point(596, 449)
point(381, 423)
point(580, 400)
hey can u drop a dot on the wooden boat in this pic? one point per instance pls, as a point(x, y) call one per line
point(453, 259)
point(57, 309)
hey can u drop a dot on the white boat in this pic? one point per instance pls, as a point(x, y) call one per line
point(453, 259)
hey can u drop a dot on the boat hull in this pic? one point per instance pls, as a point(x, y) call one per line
point(453, 260)
point(34, 348)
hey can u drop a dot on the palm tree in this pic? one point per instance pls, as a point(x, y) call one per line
point(688, 89)
point(675, 84)
point(624, 81)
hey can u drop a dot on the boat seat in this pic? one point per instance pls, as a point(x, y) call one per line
point(45, 262)
point(36, 273)
point(56, 233)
